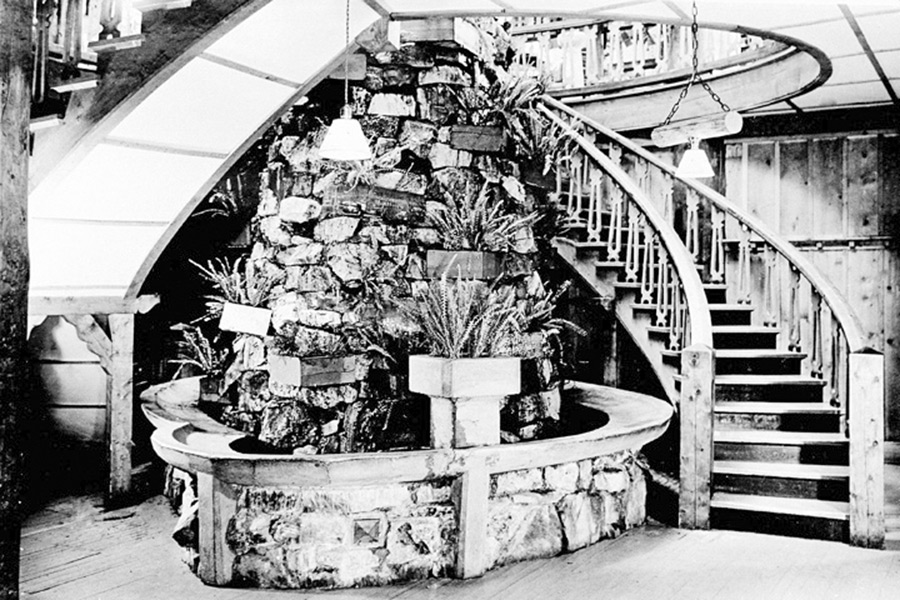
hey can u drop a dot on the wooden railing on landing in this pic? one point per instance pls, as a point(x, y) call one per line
point(575, 54)
point(790, 285)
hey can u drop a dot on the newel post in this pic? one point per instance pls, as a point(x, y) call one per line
point(698, 367)
point(866, 423)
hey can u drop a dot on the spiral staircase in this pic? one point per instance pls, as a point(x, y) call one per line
point(764, 359)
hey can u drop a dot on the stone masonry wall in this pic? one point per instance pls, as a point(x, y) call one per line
point(334, 537)
point(543, 512)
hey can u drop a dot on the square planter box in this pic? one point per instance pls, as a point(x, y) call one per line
point(245, 319)
point(312, 371)
point(471, 264)
point(477, 138)
point(464, 377)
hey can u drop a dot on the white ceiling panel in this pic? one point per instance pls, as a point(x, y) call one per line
point(837, 95)
point(204, 106)
point(87, 255)
point(836, 37)
point(890, 62)
point(881, 31)
point(273, 41)
point(476, 6)
point(115, 183)
point(762, 15)
point(852, 69)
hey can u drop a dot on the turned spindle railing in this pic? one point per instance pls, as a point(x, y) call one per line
point(728, 245)
point(579, 53)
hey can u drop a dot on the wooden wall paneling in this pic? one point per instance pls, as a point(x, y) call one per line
point(865, 267)
point(762, 190)
point(826, 186)
point(891, 282)
point(862, 198)
point(735, 189)
point(794, 199)
point(889, 185)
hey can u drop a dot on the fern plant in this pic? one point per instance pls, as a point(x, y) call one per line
point(464, 318)
point(240, 282)
point(195, 350)
point(479, 222)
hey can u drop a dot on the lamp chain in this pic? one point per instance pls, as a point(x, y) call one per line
point(695, 75)
point(347, 56)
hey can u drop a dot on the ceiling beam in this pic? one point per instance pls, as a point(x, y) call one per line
point(870, 54)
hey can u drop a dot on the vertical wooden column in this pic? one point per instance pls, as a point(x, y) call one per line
point(866, 415)
point(217, 506)
point(119, 397)
point(473, 491)
point(15, 104)
point(698, 367)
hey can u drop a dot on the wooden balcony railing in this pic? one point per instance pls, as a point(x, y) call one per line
point(796, 297)
point(578, 54)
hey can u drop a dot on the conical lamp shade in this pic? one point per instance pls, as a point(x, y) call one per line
point(694, 164)
point(344, 140)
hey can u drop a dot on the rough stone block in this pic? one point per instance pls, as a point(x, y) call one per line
point(445, 74)
point(319, 319)
point(437, 105)
point(380, 126)
point(271, 230)
point(562, 478)
point(398, 76)
point(306, 253)
point(336, 229)
point(313, 278)
point(426, 236)
point(402, 181)
point(443, 156)
point(351, 262)
point(393, 105)
point(578, 521)
point(585, 474)
point(614, 482)
point(515, 482)
point(529, 528)
point(295, 209)
point(477, 138)
point(636, 502)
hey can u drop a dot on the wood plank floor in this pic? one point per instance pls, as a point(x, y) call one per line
point(73, 550)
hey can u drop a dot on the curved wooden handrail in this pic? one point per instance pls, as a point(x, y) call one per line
point(682, 261)
point(833, 298)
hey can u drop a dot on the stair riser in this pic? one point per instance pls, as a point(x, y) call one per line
point(716, 296)
point(785, 525)
point(730, 317)
point(758, 366)
point(797, 422)
point(743, 340)
point(817, 489)
point(819, 454)
point(766, 393)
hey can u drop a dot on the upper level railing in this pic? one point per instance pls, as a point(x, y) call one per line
point(617, 211)
point(577, 54)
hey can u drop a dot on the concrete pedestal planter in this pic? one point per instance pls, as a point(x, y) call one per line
point(470, 264)
point(312, 371)
point(465, 396)
point(239, 318)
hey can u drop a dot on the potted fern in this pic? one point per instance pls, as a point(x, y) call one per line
point(476, 231)
point(241, 291)
point(206, 364)
point(464, 322)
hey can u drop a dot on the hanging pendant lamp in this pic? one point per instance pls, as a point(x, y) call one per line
point(694, 163)
point(344, 139)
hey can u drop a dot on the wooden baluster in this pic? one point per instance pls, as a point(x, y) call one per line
point(614, 239)
point(834, 379)
point(692, 226)
point(668, 194)
point(595, 209)
point(744, 266)
point(648, 264)
point(675, 329)
point(794, 312)
point(815, 309)
point(576, 161)
point(662, 287)
point(717, 249)
point(772, 288)
point(44, 14)
point(110, 17)
point(632, 249)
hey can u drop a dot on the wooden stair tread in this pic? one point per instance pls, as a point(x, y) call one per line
point(776, 408)
point(609, 264)
point(745, 353)
point(778, 438)
point(804, 507)
point(744, 329)
point(781, 470)
point(768, 380)
point(712, 307)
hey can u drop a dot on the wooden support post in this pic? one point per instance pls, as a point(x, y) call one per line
point(119, 407)
point(15, 104)
point(866, 449)
point(474, 488)
point(217, 506)
point(698, 367)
